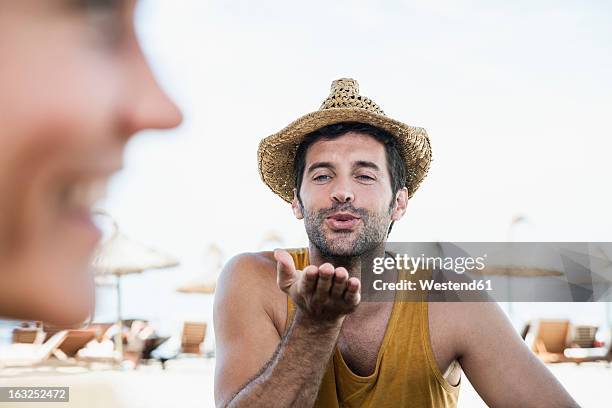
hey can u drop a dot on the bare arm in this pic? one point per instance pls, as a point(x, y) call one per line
point(500, 366)
point(293, 376)
point(254, 366)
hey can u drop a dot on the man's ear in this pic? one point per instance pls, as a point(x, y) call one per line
point(401, 202)
point(296, 207)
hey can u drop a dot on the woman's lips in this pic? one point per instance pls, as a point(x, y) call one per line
point(342, 221)
point(76, 201)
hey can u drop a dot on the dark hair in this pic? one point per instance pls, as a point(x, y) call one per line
point(395, 161)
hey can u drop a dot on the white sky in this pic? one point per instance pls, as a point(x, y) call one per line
point(516, 98)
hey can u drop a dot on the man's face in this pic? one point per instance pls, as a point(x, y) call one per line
point(346, 196)
point(75, 87)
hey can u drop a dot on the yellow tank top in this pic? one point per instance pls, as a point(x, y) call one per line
point(406, 373)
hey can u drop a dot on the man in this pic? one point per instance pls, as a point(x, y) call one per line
point(75, 88)
point(290, 328)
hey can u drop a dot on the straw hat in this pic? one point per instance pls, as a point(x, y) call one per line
point(276, 153)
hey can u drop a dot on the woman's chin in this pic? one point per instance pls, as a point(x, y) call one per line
point(55, 292)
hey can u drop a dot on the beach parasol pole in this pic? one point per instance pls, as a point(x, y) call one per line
point(119, 334)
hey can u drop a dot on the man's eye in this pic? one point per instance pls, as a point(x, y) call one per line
point(321, 178)
point(365, 177)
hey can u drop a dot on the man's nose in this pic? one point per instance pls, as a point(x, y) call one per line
point(342, 194)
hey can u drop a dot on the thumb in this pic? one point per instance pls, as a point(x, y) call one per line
point(286, 275)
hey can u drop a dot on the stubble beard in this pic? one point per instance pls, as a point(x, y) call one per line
point(345, 247)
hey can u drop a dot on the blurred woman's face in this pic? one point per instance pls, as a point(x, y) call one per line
point(74, 87)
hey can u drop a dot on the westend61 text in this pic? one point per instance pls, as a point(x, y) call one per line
point(429, 284)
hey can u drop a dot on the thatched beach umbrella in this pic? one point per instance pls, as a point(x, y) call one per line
point(518, 271)
point(206, 282)
point(118, 256)
point(201, 287)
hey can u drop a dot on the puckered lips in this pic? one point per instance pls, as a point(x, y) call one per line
point(342, 221)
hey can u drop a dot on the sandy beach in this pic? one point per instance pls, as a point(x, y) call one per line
point(188, 383)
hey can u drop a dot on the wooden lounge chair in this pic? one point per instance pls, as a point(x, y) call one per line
point(192, 338)
point(551, 339)
point(150, 345)
point(29, 335)
point(100, 329)
point(74, 341)
point(99, 352)
point(20, 354)
point(588, 355)
point(584, 336)
point(102, 349)
point(194, 334)
point(551, 343)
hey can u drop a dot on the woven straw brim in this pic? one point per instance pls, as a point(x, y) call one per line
point(276, 153)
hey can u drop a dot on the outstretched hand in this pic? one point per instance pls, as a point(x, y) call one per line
point(323, 293)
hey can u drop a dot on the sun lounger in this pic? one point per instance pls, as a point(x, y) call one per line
point(102, 348)
point(584, 336)
point(100, 329)
point(150, 345)
point(76, 340)
point(194, 334)
point(99, 352)
point(551, 342)
point(551, 339)
point(29, 335)
point(19, 354)
point(192, 338)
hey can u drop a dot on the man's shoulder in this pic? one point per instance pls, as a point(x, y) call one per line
point(250, 266)
point(464, 312)
point(249, 279)
point(463, 325)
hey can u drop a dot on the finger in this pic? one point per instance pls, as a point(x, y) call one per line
point(308, 283)
point(352, 296)
point(324, 283)
point(339, 284)
point(286, 275)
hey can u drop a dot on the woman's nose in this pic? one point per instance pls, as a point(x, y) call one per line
point(147, 106)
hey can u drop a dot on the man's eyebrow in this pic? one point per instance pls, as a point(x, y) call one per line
point(365, 163)
point(318, 165)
